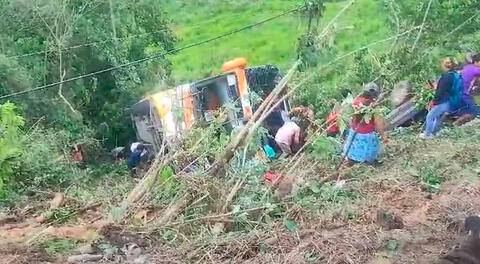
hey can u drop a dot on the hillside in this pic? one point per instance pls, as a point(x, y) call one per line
point(271, 43)
point(210, 195)
point(428, 197)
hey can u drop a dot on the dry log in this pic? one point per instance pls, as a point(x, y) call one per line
point(224, 157)
point(174, 209)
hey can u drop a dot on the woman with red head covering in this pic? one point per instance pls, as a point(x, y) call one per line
point(363, 144)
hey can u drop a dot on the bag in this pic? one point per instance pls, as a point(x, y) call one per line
point(455, 99)
point(269, 151)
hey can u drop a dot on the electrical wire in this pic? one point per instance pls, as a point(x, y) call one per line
point(153, 56)
point(84, 45)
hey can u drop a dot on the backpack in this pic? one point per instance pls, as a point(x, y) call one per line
point(455, 99)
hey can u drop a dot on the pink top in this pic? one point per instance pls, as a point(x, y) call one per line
point(289, 133)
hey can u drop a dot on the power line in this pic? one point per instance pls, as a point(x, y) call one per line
point(104, 41)
point(83, 45)
point(154, 56)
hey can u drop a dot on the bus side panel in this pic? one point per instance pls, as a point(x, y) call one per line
point(163, 103)
point(188, 106)
point(243, 92)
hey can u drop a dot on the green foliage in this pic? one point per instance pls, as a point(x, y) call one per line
point(348, 33)
point(311, 257)
point(270, 43)
point(206, 141)
point(108, 249)
point(308, 49)
point(431, 180)
point(58, 246)
point(45, 161)
point(62, 215)
point(117, 213)
point(63, 40)
point(324, 149)
point(392, 245)
point(10, 125)
point(316, 197)
point(290, 225)
point(168, 188)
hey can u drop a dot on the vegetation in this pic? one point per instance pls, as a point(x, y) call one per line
point(271, 43)
point(10, 125)
point(190, 214)
point(52, 41)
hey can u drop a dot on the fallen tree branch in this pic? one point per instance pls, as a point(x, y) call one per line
point(173, 210)
point(232, 194)
point(147, 183)
point(224, 157)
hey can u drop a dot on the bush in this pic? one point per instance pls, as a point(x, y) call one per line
point(45, 161)
point(10, 125)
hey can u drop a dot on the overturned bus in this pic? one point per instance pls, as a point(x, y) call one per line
point(164, 116)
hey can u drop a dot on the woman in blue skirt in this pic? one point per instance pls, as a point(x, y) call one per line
point(363, 144)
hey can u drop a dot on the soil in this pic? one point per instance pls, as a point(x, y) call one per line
point(396, 221)
point(422, 227)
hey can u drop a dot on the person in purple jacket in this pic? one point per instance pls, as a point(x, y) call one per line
point(470, 73)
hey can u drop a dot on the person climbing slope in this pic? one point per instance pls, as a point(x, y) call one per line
point(362, 144)
point(447, 98)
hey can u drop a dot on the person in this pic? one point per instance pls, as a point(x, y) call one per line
point(470, 73)
point(304, 117)
point(445, 99)
point(333, 129)
point(288, 136)
point(135, 157)
point(274, 121)
point(362, 144)
point(78, 153)
point(136, 145)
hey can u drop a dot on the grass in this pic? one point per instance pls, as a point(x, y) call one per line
point(57, 247)
point(271, 43)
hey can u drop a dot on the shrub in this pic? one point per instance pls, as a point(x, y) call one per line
point(10, 124)
point(44, 161)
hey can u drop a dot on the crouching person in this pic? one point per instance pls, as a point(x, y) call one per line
point(288, 136)
point(136, 157)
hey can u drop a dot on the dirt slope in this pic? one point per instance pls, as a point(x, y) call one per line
point(410, 209)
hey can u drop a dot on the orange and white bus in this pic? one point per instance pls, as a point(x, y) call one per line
point(166, 115)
